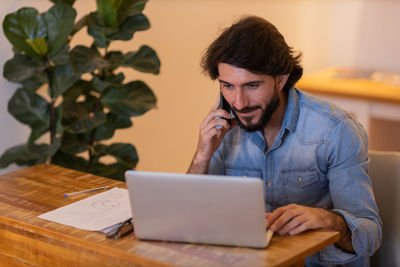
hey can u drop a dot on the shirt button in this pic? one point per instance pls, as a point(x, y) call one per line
point(268, 184)
point(299, 179)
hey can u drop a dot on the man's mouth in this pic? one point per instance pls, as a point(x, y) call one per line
point(246, 111)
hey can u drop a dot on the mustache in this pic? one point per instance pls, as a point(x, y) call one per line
point(246, 109)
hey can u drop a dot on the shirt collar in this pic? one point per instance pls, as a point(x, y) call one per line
point(292, 111)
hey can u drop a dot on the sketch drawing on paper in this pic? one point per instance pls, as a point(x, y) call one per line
point(94, 213)
point(106, 204)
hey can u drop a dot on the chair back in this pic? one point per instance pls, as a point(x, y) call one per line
point(384, 171)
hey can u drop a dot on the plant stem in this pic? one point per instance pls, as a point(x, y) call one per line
point(96, 108)
point(52, 119)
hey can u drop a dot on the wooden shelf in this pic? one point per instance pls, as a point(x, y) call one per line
point(326, 82)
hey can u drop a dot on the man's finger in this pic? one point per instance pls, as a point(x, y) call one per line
point(218, 124)
point(275, 215)
point(300, 228)
point(216, 105)
point(293, 224)
point(214, 114)
point(286, 215)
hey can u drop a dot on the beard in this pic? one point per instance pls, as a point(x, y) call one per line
point(265, 116)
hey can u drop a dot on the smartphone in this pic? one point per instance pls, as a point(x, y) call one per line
point(223, 104)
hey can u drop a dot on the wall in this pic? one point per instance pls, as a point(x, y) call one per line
point(327, 32)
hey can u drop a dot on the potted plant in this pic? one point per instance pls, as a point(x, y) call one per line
point(78, 96)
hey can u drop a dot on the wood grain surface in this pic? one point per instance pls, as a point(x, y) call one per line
point(27, 240)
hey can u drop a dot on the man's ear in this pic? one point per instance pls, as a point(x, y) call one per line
point(281, 80)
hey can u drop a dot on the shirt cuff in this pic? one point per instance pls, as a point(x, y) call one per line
point(335, 255)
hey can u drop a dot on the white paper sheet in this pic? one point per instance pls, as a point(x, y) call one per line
point(94, 213)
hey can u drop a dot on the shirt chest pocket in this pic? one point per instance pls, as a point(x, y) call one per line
point(243, 172)
point(302, 186)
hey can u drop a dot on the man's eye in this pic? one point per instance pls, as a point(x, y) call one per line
point(225, 85)
point(252, 85)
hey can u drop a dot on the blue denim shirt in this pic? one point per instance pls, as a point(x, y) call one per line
point(319, 158)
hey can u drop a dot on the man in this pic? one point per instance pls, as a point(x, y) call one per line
point(311, 155)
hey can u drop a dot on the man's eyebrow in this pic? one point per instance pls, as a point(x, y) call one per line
point(256, 81)
point(222, 81)
point(247, 83)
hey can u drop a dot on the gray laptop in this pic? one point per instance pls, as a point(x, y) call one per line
point(207, 209)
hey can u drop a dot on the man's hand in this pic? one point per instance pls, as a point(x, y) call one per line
point(212, 131)
point(294, 219)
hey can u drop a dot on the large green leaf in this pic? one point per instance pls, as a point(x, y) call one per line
point(84, 59)
point(104, 34)
point(117, 3)
point(69, 161)
point(30, 108)
point(53, 148)
point(35, 82)
point(60, 20)
point(98, 151)
point(74, 143)
point(113, 122)
point(115, 171)
point(69, 2)
point(76, 118)
point(84, 124)
point(129, 27)
point(109, 13)
point(20, 155)
point(92, 104)
point(25, 24)
point(82, 22)
point(62, 77)
point(78, 88)
point(61, 57)
point(132, 99)
point(100, 85)
point(39, 45)
point(144, 60)
point(115, 59)
point(115, 79)
point(130, 8)
point(59, 129)
point(22, 67)
point(98, 30)
point(124, 153)
point(98, 35)
point(35, 134)
point(45, 150)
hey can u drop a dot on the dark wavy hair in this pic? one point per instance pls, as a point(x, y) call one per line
point(256, 45)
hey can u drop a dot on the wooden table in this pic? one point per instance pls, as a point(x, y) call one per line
point(26, 239)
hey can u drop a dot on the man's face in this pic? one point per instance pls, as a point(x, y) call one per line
point(253, 97)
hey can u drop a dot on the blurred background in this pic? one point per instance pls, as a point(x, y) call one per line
point(359, 34)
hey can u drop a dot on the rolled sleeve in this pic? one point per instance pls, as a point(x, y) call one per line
point(363, 244)
point(366, 233)
point(352, 194)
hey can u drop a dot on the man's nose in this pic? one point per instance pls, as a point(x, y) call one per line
point(241, 100)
